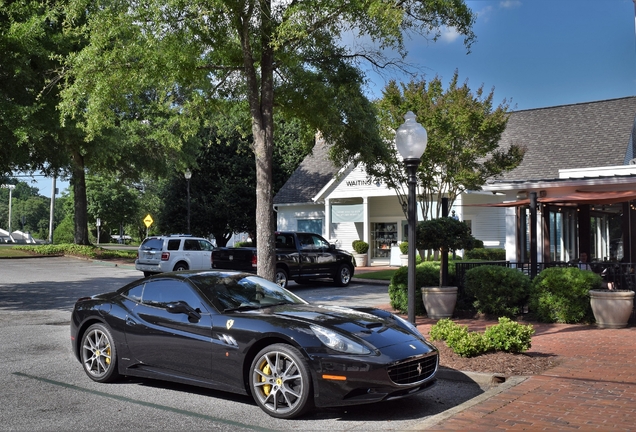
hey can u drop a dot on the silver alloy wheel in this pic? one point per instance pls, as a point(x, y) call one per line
point(97, 353)
point(279, 383)
point(343, 276)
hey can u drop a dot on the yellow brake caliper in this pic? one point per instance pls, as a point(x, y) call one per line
point(107, 354)
point(267, 371)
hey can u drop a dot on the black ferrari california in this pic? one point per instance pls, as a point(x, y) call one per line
point(240, 333)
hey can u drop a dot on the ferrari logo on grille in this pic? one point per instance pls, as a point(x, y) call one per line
point(419, 368)
point(229, 324)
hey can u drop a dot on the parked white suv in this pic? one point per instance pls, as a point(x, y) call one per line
point(173, 253)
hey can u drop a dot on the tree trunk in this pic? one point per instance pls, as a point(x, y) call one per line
point(80, 203)
point(261, 101)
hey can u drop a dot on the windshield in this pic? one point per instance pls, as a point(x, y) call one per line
point(242, 292)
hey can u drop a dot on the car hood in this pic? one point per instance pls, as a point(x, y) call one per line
point(379, 332)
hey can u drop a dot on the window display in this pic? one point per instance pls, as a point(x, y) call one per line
point(383, 236)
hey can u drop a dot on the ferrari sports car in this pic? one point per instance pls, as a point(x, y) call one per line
point(240, 333)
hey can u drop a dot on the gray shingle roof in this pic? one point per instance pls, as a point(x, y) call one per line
point(315, 171)
point(591, 134)
point(583, 135)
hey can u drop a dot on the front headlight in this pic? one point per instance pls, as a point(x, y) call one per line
point(338, 342)
point(409, 325)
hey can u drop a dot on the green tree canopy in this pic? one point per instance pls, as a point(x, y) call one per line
point(288, 57)
point(464, 131)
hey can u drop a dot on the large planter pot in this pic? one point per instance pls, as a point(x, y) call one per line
point(404, 260)
point(361, 259)
point(439, 302)
point(612, 308)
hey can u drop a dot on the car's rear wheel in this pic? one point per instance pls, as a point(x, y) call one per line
point(98, 354)
point(280, 381)
point(281, 277)
point(180, 266)
point(343, 275)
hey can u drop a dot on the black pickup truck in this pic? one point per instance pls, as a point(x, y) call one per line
point(299, 256)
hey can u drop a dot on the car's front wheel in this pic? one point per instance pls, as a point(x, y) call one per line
point(280, 381)
point(98, 354)
point(343, 275)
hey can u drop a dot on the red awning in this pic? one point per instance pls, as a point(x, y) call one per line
point(578, 197)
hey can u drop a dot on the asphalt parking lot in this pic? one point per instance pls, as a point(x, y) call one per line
point(44, 386)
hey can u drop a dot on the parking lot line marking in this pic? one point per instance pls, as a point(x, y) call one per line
point(137, 402)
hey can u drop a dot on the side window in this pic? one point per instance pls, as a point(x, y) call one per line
point(306, 242)
point(174, 244)
point(161, 292)
point(320, 243)
point(191, 245)
point(134, 293)
point(205, 245)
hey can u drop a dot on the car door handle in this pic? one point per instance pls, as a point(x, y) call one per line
point(130, 321)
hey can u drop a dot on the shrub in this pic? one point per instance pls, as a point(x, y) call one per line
point(65, 231)
point(560, 294)
point(404, 248)
point(478, 244)
point(497, 290)
point(509, 336)
point(426, 274)
point(442, 329)
point(469, 344)
point(483, 254)
point(360, 246)
point(243, 244)
point(459, 339)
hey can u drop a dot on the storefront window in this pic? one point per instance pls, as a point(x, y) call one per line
point(383, 236)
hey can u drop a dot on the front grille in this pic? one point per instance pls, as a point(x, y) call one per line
point(413, 371)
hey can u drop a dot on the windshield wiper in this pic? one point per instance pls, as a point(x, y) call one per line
point(243, 307)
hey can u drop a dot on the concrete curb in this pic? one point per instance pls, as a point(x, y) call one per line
point(479, 378)
point(370, 281)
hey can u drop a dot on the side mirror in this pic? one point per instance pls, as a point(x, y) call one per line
point(184, 308)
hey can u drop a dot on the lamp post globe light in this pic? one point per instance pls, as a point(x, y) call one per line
point(188, 175)
point(411, 139)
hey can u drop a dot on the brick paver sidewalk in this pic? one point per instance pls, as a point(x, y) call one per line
point(593, 388)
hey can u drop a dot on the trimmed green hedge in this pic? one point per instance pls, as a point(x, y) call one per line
point(497, 290)
point(486, 254)
point(560, 294)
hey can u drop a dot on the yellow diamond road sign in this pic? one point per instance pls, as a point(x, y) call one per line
point(148, 221)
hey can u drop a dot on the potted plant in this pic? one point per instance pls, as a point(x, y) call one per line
point(360, 248)
point(611, 307)
point(404, 254)
point(443, 234)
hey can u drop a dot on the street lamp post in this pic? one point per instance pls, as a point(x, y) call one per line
point(188, 176)
point(411, 139)
point(10, 187)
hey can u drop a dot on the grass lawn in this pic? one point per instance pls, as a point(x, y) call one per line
point(376, 275)
point(8, 251)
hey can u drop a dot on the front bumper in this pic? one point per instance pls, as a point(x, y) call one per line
point(351, 380)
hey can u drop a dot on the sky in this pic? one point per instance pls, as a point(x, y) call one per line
point(537, 53)
point(534, 53)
